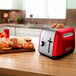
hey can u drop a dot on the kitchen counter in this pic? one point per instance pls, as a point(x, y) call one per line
point(28, 25)
point(34, 64)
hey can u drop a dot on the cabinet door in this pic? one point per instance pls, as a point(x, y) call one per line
point(1, 29)
point(12, 31)
point(27, 32)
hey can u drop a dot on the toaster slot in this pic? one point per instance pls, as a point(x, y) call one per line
point(49, 45)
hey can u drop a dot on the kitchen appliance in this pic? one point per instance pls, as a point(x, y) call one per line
point(56, 43)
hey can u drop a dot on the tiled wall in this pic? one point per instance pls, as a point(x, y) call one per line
point(46, 21)
point(71, 17)
point(70, 21)
point(12, 14)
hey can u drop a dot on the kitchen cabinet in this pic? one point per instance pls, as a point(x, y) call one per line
point(20, 30)
point(1, 29)
point(11, 30)
point(27, 32)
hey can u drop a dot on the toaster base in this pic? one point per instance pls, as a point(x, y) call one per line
point(60, 56)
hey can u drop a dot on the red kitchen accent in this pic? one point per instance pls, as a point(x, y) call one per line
point(56, 43)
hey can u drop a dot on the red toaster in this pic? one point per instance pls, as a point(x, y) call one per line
point(57, 43)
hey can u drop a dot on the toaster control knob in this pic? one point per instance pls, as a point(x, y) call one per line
point(42, 43)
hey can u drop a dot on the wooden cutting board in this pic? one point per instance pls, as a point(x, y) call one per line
point(17, 51)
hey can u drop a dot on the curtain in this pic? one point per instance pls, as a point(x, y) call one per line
point(57, 9)
point(35, 7)
point(17, 4)
point(6, 4)
point(53, 9)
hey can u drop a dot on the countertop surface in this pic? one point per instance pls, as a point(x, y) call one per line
point(34, 64)
point(28, 25)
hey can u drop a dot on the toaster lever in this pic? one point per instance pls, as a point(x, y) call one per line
point(49, 41)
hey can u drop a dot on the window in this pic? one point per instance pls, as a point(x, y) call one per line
point(55, 9)
point(6, 4)
point(35, 7)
